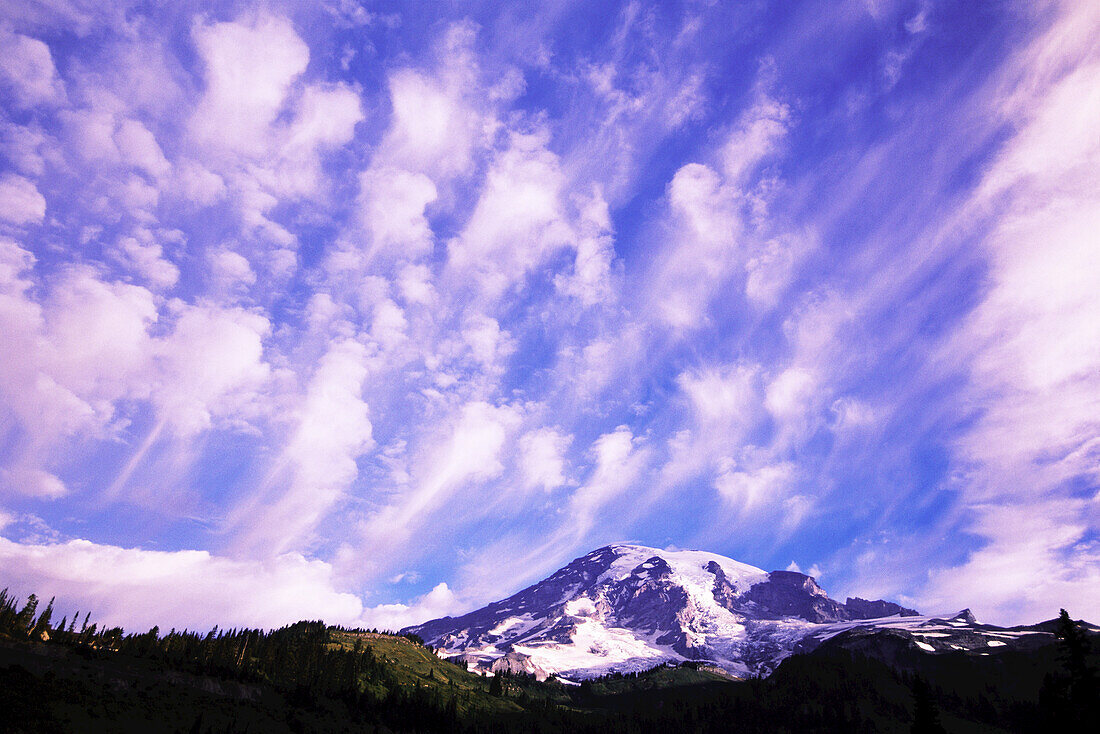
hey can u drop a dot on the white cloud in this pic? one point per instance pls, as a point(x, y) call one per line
point(210, 366)
point(543, 461)
point(725, 405)
point(1031, 345)
point(20, 202)
point(392, 203)
point(439, 602)
point(230, 270)
point(137, 146)
point(388, 324)
point(26, 147)
point(709, 229)
point(618, 463)
point(750, 490)
point(518, 221)
point(590, 281)
point(488, 343)
point(704, 250)
point(69, 359)
point(773, 266)
point(333, 430)
point(191, 589)
point(28, 71)
point(466, 452)
point(197, 185)
point(414, 282)
point(1036, 560)
point(793, 398)
point(250, 66)
point(756, 137)
point(436, 127)
point(723, 398)
point(263, 127)
point(90, 134)
point(143, 255)
point(32, 483)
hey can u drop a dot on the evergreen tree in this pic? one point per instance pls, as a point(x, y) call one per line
point(1071, 695)
point(42, 626)
point(24, 622)
point(926, 714)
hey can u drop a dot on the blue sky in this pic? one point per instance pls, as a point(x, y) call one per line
point(375, 312)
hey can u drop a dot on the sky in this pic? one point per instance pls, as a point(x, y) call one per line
point(374, 312)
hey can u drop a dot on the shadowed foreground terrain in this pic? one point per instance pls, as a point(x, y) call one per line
point(70, 676)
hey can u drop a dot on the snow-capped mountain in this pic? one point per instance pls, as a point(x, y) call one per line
point(629, 607)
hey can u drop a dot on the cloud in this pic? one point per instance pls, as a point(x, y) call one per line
point(142, 254)
point(725, 405)
point(386, 289)
point(756, 136)
point(466, 453)
point(392, 203)
point(518, 221)
point(137, 146)
point(793, 398)
point(618, 462)
point(28, 72)
point(230, 270)
point(333, 430)
point(1032, 342)
point(543, 459)
point(20, 202)
point(749, 490)
point(191, 589)
point(704, 249)
point(33, 483)
point(197, 185)
point(262, 127)
point(210, 366)
point(250, 66)
point(85, 346)
point(1037, 559)
point(590, 282)
point(438, 121)
point(439, 602)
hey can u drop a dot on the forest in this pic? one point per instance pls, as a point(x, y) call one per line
point(75, 675)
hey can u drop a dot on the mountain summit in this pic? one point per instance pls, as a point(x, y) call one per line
point(629, 607)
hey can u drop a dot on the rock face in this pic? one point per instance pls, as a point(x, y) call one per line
point(628, 607)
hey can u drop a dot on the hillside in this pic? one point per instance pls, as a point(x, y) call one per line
point(316, 678)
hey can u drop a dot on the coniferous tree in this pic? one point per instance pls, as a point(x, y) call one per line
point(1069, 696)
point(24, 622)
point(926, 714)
point(42, 626)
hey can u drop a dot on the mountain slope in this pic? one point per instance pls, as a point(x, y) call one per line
point(629, 607)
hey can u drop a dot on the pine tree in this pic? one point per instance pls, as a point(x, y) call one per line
point(42, 626)
point(926, 715)
point(24, 622)
point(1079, 678)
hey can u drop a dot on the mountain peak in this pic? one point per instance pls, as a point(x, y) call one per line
point(626, 606)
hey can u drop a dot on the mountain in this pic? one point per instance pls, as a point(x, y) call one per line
point(626, 608)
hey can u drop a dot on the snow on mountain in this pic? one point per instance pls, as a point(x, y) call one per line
point(629, 607)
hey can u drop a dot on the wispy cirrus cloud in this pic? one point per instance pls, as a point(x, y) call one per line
point(397, 312)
